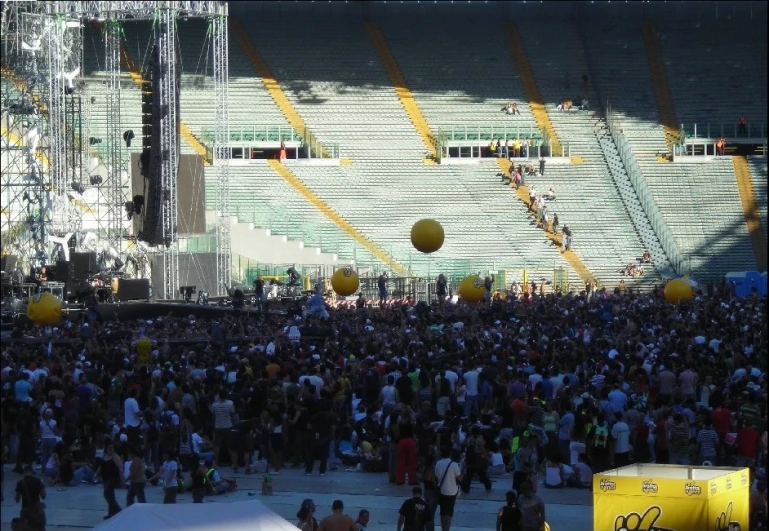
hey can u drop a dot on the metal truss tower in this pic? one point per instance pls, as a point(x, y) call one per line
point(41, 56)
point(42, 43)
point(222, 152)
point(169, 151)
point(116, 164)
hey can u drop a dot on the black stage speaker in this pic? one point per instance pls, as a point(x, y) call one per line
point(83, 265)
point(8, 263)
point(133, 289)
point(62, 271)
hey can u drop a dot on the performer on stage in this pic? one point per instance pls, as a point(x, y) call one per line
point(42, 275)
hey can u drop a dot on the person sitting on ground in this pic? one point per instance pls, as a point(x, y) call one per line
point(216, 483)
point(550, 195)
point(555, 476)
point(496, 461)
point(583, 474)
point(585, 105)
point(646, 258)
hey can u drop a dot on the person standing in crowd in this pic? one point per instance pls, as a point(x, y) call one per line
point(509, 516)
point(306, 516)
point(382, 285)
point(137, 478)
point(532, 509)
point(620, 441)
point(362, 521)
point(441, 287)
point(337, 520)
point(111, 472)
point(414, 513)
point(169, 476)
point(30, 491)
point(448, 486)
point(678, 441)
point(223, 409)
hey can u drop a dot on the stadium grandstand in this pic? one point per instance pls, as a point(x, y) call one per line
point(387, 111)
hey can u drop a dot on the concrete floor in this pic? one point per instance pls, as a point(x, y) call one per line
point(83, 507)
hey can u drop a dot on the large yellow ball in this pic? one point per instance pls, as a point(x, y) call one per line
point(427, 236)
point(345, 281)
point(471, 289)
point(678, 290)
point(44, 309)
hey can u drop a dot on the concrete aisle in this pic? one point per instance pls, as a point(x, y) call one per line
point(83, 507)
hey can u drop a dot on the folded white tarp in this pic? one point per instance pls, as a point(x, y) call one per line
point(235, 516)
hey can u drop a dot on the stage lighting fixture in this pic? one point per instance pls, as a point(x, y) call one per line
point(118, 265)
point(93, 100)
point(128, 136)
point(93, 141)
point(138, 204)
point(78, 187)
point(96, 180)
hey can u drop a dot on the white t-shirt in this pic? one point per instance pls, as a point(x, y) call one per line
point(388, 395)
point(197, 440)
point(471, 380)
point(621, 433)
point(169, 470)
point(446, 466)
point(132, 413)
point(452, 377)
point(48, 429)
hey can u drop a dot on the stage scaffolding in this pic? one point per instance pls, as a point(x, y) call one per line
point(42, 51)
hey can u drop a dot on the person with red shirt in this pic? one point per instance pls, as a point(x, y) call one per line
point(722, 420)
point(747, 446)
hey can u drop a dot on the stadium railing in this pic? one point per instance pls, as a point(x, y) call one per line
point(661, 229)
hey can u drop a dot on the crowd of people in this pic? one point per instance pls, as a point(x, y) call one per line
point(542, 390)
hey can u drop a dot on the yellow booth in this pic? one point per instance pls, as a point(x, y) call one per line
point(671, 498)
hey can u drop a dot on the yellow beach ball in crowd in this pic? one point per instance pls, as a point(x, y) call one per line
point(471, 289)
point(44, 309)
point(345, 281)
point(678, 290)
point(143, 349)
point(427, 236)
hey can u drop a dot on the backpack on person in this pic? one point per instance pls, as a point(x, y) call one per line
point(601, 437)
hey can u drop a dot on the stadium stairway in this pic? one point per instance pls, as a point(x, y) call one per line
point(660, 83)
point(272, 86)
point(343, 224)
point(612, 201)
point(699, 202)
point(482, 231)
point(334, 79)
point(405, 95)
point(758, 175)
point(263, 197)
point(536, 102)
point(458, 72)
point(750, 209)
point(571, 256)
point(717, 71)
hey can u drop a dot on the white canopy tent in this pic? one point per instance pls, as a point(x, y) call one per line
point(235, 516)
